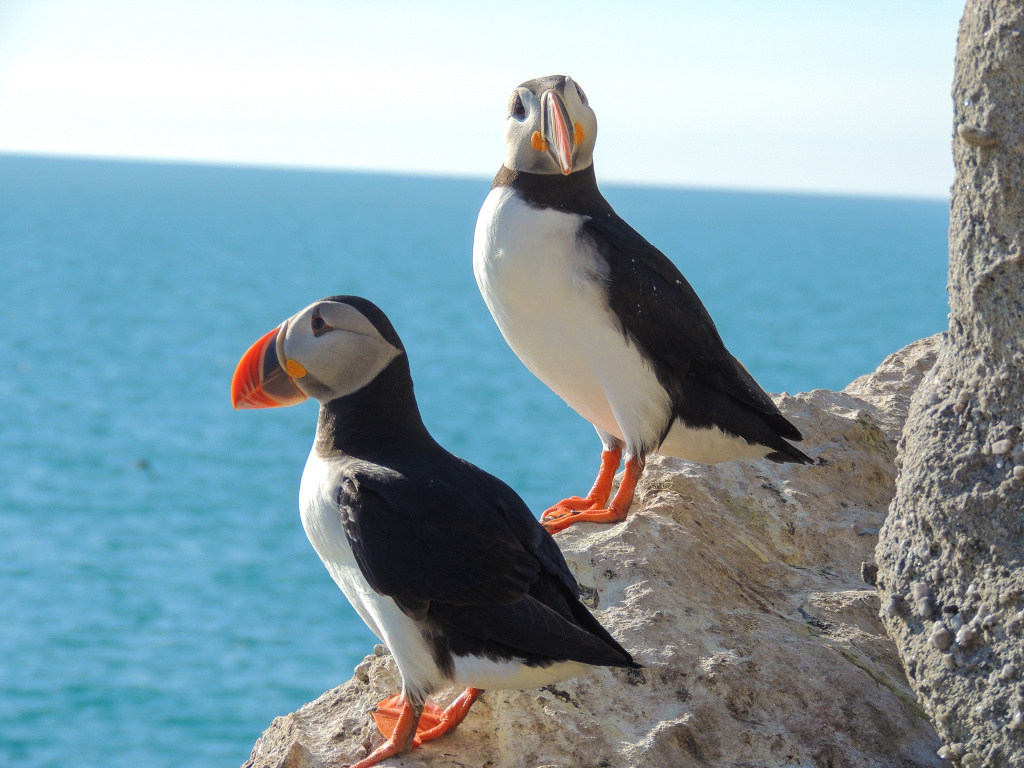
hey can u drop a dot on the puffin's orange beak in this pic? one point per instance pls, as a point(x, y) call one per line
point(554, 128)
point(260, 381)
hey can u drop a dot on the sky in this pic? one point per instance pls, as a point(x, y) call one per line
point(823, 96)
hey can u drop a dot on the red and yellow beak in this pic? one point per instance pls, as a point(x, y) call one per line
point(555, 130)
point(260, 381)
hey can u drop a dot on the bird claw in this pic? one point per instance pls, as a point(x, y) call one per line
point(554, 526)
point(609, 515)
point(555, 513)
point(571, 506)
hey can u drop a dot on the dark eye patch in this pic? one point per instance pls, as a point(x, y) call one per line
point(318, 324)
point(516, 106)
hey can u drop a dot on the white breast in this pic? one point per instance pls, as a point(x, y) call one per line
point(544, 290)
point(322, 523)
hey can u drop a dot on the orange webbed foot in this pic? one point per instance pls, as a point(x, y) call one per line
point(454, 714)
point(400, 720)
point(610, 515)
point(570, 506)
point(597, 499)
point(615, 512)
point(433, 721)
point(388, 712)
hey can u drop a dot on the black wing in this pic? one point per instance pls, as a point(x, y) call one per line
point(662, 314)
point(450, 542)
point(445, 531)
point(538, 628)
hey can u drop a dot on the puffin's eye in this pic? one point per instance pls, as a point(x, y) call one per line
point(516, 107)
point(581, 94)
point(318, 324)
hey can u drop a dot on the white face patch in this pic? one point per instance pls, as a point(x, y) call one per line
point(339, 348)
point(345, 317)
point(583, 115)
point(519, 152)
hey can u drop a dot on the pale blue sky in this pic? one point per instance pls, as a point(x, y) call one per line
point(807, 95)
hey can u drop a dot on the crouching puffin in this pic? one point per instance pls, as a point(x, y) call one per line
point(444, 562)
point(603, 317)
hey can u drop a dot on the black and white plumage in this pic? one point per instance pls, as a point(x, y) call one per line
point(604, 318)
point(444, 562)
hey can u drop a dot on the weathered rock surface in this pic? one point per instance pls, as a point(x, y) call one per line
point(739, 587)
point(950, 555)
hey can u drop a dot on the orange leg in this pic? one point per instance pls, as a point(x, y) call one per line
point(616, 511)
point(598, 496)
point(433, 722)
point(402, 733)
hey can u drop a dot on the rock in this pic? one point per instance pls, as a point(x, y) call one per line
point(959, 495)
point(739, 588)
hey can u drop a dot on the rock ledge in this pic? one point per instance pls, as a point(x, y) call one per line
point(739, 588)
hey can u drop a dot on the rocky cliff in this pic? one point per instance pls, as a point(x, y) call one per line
point(740, 589)
point(951, 554)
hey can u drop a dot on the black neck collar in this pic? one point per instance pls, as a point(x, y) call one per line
point(378, 420)
point(575, 193)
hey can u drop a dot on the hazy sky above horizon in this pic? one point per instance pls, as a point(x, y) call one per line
point(807, 95)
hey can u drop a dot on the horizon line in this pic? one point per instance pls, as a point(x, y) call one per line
point(288, 167)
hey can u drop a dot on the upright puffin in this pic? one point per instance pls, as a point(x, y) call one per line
point(603, 317)
point(444, 562)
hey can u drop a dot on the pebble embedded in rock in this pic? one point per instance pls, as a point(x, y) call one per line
point(925, 607)
point(361, 672)
point(976, 136)
point(940, 637)
point(964, 635)
point(893, 606)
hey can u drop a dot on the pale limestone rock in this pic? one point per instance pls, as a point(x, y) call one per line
point(739, 589)
point(956, 523)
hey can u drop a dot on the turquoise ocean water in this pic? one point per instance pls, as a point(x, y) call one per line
point(160, 604)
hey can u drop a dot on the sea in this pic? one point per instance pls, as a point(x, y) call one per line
point(159, 601)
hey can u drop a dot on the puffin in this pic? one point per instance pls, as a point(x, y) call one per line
point(603, 317)
point(444, 562)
